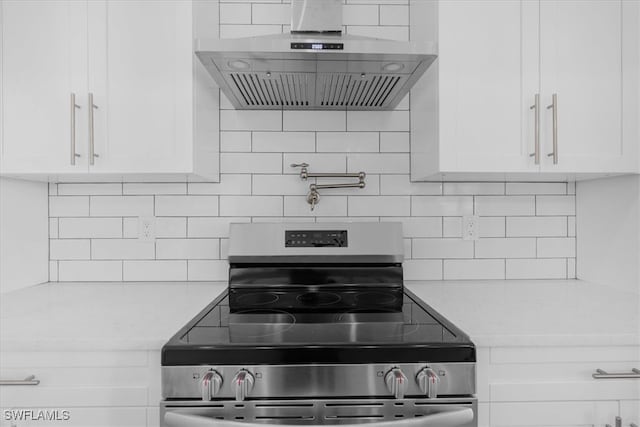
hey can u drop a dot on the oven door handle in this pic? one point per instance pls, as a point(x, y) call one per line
point(457, 417)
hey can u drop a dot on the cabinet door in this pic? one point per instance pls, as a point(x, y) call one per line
point(140, 75)
point(43, 63)
point(488, 79)
point(581, 62)
point(630, 411)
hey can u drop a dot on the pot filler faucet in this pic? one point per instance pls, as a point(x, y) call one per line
point(313, 197)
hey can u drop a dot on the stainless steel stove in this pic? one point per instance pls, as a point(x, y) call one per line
point(317, 328)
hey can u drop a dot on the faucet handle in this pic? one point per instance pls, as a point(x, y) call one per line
point(303, 171)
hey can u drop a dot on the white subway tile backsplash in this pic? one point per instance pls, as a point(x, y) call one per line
point(526, 230)
point(394, 15)
point(267, 13)
point(186, 205)
point(250, 120)
point(442, 248)
point(395, 142)
point(90, 271)
point(366, 14)
point(555, 205)
point(442, 205)
point(422, 269)
point(208, 270)
point(505, 205)
point(401, 185)
point(353, 142)
point(473, 188)
point(70, 228)
point(251, 205)
point(250, 163)
point(68, 249)
point(121, 206)
point(536, 188)
point(235, 142)
point(154, 271)
point(235, 13)
point(536, 226)
point(318, 162)
point(328, 206)
point(316, 121)
point(284, 142)
point(556, 247)
point(418, 226)
point(536, 268)
point(81, 189)
point(452, 226)
point(277, 185)
point(188, 249)
point(150, 188)
point(211, 227)
point(115, 249)
point(53, 228)
point(378, 163)
point(474, 269)
point(379, 205)
point(506, 248)
point(68, 206)
point(388, 121)
point(231, 184)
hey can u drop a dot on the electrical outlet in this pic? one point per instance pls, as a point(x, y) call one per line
point(147, 228)
point(470, 227)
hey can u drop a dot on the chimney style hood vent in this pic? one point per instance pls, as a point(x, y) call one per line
point(315, 67)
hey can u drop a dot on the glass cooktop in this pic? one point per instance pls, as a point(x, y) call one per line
point(328, 324)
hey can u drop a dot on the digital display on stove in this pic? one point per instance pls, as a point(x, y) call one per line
point(315, 238)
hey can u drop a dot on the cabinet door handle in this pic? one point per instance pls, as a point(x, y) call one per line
point(30, 380)
point(536, 144)
point(554, 106)
point(73, 129)
point(92, 140)
point(603, 375)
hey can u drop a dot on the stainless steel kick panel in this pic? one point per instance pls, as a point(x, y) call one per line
point(328, 411)
point(308, 381)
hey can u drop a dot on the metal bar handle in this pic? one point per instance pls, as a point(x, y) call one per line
point(536, 142)
point(30, 380)
point(554, 106)
point(345, 185)
point(334, 175)
point(73, 129)
point(604, 375)
point(92, 140)
point(456, 417)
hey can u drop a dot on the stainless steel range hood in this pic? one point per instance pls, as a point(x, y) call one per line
point(315, 67)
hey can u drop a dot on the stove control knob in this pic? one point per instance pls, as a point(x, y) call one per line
point(428, 382)
point(243, 383)
point(211, 383)
point(396, 382)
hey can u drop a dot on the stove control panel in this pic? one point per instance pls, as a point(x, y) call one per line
point(315, 238)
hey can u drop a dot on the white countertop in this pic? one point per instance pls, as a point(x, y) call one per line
point(143, 316)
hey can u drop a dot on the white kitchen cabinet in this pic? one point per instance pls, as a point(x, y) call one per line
point(99, 388)
point(630, 412)
point(141, 112)
point(552, 386)
point(473, 115)
point(43, 52)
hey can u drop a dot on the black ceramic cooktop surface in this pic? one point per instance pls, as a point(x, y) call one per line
point(327, 324)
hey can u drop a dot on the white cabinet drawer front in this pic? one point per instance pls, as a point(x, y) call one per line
point(630, 411)
point(79, 377)
point(90, 417)
point(536, 355)
point(541, 414)
point(69, 397)
point(100, 359)
point(561, 390)
point(550, 372)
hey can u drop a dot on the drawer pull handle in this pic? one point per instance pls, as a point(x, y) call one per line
point(30, 380)
point(601, 375)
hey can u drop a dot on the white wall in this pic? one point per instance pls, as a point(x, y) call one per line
point(24, 246)
point(608, 229)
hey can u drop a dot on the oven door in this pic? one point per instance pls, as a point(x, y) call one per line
point(344, 413)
